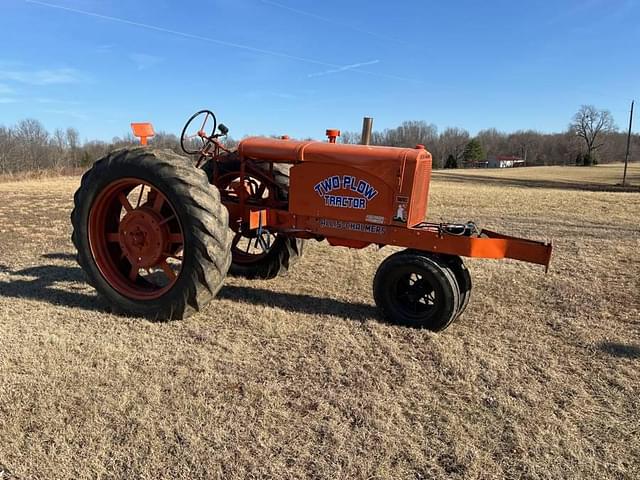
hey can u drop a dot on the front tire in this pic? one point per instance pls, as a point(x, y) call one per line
point(463, 279)
point(416, 290)
point(161, 253)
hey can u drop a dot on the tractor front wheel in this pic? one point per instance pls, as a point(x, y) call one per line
point(460, 272)
point(463, 279)
point(417, 290)
point(151, 233)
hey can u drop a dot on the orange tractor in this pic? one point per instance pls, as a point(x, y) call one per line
point(156, 232)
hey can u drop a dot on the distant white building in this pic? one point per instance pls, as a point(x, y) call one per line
point(505, 161)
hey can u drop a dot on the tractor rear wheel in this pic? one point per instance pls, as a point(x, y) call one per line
point(151, 233)
point(417, 290)
point(258, 254)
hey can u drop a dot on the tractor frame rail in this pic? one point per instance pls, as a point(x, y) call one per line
point(429, 237)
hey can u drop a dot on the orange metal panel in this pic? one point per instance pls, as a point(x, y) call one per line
point(257, 218)
point(343, 242)
point(351, 182)
point(421, 178)
point(487, 245)
point(359, 234)
point(347, 191)
point(295, 151)
point(275, 150)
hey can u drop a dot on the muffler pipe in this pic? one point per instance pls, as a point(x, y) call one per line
point(367, 126)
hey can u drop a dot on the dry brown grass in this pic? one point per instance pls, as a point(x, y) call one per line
point(598, 178)
point(297, 377)
point(41, 174)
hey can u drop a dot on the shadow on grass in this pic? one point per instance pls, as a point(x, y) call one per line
point(517, 182)
point(60, 256)
point(39, 283)
point(620, 349)
point(299, 303)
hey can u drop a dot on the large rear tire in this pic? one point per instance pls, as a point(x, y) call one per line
point(161, 253)
point(417, 290)
point(283, 251)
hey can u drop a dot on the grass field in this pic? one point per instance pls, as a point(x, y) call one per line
point(299, 378)
point(601, 178)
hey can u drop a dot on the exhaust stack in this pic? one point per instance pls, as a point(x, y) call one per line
point(367, 126)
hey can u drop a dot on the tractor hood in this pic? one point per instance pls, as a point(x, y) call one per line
point(361, 183)
point(294, 151)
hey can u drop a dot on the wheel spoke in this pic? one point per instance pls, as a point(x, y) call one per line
point(176, 238)
point(133, 273)
point(264, 244)
point(414, 294)
point(124, 201)
point(260, 191)
point(168, 219)
point(168, 271)
point(204, 122)
point(253, 187)
point(236, 240)
point(158, 201)
point(140, 196)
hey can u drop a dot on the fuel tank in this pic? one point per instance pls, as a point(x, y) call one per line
point(355, 184)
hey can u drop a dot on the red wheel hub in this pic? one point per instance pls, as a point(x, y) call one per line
point(143, 238)
point(136, 239)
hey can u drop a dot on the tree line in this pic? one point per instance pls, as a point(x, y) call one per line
point(590, 138)
point(29, 147)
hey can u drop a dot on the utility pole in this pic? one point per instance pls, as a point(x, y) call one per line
point(626, 156)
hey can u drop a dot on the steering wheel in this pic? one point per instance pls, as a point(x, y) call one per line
point(196, 133)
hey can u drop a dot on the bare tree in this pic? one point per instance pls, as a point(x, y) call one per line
point(33, 140)
point(59, 148)
point(452, 142)
point(524, 143)
point(494, 142)
point(73, 142)
point(350, 137)
point(412, 133)
point(591, 125)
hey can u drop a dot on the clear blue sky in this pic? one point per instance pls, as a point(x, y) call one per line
point(298, 67)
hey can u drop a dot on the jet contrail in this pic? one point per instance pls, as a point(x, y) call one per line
point(333, 22)
point(353, 66)
point(211, 40)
